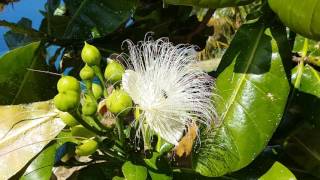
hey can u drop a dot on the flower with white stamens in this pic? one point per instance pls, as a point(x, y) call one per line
point(164, 82)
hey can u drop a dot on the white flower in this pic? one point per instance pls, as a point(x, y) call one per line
point(163, 81)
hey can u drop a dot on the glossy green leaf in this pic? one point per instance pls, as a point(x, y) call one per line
point(24, 131)
point(155, 175)
point(103, 16)
point(306, 79)
point(209, 3)
point(20, 85)
point(41, 166)
point(134, 172)
point(251, 94)
point(303, 18)
point(313, 46)
point(279, 172)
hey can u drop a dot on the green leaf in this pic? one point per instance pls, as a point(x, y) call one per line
point(279, 172)
point(24, 131)
point(152, 162)
point(306, 79)
point(41, 166)
point(103, 16)
point(251, 94)
point(313, 46)
point(58, 25)
point(304, 148)
point(134, 172)
point(302, 18)
point(209, 3)
point(20, 85)
point(155, 175)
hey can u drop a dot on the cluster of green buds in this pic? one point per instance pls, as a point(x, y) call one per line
point(79, 108)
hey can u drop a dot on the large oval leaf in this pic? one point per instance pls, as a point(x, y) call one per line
point(24, 131)
point(20, 85)
point(251, 94)
point(41, 166)
point(301, 17)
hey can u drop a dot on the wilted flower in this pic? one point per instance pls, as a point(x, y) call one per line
point(165, 83)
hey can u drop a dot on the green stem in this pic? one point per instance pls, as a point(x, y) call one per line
point(98, 72)
point(88, 84)
point(146, 138)
point(119, 124)
point(85, 124)
point(299, 74)
point(159, 144)
point(113, 155)
point(305, 48)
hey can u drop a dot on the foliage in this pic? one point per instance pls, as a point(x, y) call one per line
point(266, 92)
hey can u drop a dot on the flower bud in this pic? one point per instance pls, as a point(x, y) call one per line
point(87, 147)
point(68, 119)
point(97, 90)
point(86, 73)
point(90, 55)
point(89, 106)
point(81, 131)
point(66, 100)
point(119, 102)
point(68, 83)
point(114, 71)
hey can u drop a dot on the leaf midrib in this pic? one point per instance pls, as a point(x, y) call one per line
point(25, 78)
point(243, 76)
point(314, 154)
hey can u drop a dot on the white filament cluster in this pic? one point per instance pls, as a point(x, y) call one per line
point(164, 82)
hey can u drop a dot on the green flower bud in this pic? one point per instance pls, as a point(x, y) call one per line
point(66, 100)
point(86, 73)
point(119, 102)
point(90, 55)
point(68, 119)
point(81, 131)
point(97, 90)
point(68, 83)
point(114, 71)
point(87, 147)
point(89, 107)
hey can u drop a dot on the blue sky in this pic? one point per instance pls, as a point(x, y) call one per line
point(23, 8)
